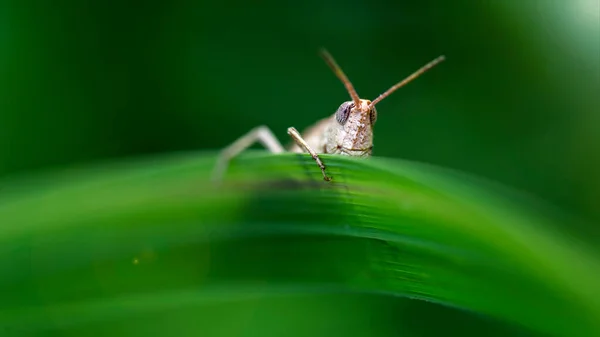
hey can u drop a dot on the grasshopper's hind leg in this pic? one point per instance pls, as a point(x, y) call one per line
point(303, 144)
point(260, 134)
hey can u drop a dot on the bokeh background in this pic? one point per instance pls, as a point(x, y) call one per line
point(517, 100)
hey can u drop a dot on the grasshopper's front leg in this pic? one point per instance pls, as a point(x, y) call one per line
point(266, 137)
point(303, 144)
point(261, 134)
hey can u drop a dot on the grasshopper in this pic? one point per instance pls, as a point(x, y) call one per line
point(349, 131)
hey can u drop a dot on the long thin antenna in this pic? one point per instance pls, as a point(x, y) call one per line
point(408, 79)
point(340, 74)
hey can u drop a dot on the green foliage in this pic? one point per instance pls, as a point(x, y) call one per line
point(152, 247)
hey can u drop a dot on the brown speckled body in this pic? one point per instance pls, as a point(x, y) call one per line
point(348, 132)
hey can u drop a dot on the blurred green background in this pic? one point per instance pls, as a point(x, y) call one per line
point(517, 100)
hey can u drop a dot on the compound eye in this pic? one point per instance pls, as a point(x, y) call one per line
point(373, 116)
point(343, 112)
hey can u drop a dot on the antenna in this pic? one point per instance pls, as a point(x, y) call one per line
point(407, 80)
point(340, 74)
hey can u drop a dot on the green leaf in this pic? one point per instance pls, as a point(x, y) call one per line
point(122, 240)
